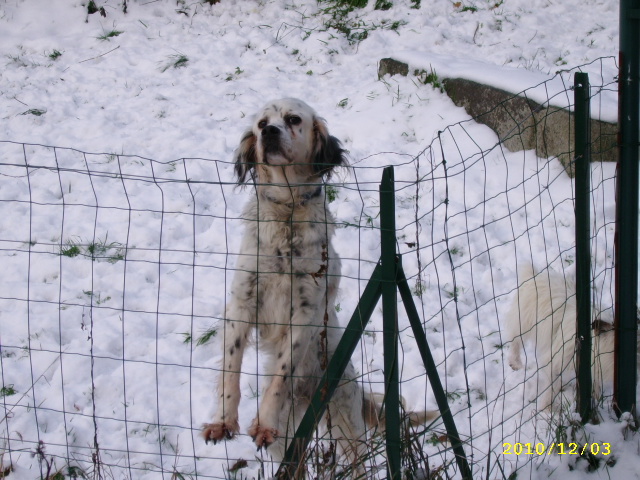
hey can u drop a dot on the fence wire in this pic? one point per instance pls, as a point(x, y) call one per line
point(117, 269)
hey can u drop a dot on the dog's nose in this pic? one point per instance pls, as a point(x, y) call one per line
point(270, 131)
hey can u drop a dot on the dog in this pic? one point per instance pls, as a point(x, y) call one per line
point(285, 286)
point(542, 323)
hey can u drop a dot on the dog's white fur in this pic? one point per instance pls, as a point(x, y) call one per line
point(285, 285)
point(541, 323)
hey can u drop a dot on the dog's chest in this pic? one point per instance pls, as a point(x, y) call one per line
point(286, 249)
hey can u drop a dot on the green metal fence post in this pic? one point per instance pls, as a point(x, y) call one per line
point(390, 322)
point(332, 376)
point(386, 280)
point(584, 404)
point(626, 251)
point(432, 374)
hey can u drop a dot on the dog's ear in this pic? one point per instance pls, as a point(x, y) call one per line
point(328, 152)
point(245, 156)
point(600, 326)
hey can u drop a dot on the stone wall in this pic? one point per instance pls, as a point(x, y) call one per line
point(520, 123)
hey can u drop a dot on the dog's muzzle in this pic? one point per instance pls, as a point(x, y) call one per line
point(272, 146)
point(271, 139)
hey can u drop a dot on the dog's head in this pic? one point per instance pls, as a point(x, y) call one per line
point(288, 133)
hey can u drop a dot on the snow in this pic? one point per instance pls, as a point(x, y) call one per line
point(94, 342)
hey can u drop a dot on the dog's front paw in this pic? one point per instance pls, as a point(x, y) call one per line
point(216, 432)
point(262, 436)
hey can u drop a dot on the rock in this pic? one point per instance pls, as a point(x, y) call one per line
point(392, 67)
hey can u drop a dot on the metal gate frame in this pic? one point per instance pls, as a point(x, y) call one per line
point(386, 281)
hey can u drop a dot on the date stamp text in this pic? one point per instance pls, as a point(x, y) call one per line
point(557, 448)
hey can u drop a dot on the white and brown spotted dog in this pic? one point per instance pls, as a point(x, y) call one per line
point(285, 285)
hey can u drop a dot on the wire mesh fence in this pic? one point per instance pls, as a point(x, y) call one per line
point(117, 268)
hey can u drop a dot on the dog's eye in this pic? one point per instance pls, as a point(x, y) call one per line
point(262, 124)
point(293, 120)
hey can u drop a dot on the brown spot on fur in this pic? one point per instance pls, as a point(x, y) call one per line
point(320, 273)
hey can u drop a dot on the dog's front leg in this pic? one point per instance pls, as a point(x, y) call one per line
point(286, 367)
point(238, 321)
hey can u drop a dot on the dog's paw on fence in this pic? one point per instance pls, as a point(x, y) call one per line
point(215, 432)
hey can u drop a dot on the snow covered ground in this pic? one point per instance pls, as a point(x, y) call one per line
point(111, 259)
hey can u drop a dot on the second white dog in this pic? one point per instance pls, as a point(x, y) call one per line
point(541, 324)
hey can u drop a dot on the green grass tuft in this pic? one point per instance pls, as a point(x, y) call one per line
point(232, 76)
point(203, 339)
point(35, 112)
point(206, 337)
point(7, 391)
point(97, 250)
point(71, 251)
point(178, 60)
point(331, 192)
point(111, 34)
point(55, 54)
point(383, 5)
point(429, 78)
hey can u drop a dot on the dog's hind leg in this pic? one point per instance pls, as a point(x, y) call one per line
point(347, 423)
point(288, 422)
